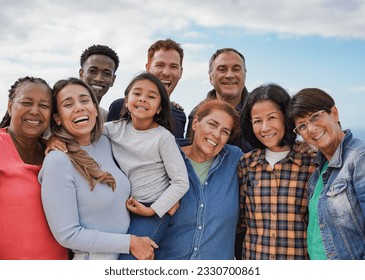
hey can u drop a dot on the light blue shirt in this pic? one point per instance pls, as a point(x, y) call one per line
point(341, 206)
point(204, 226)
point(81, 219)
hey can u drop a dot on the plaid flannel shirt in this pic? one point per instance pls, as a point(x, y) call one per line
point(274, 205)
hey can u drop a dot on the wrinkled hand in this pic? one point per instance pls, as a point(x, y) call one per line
point(138, 208)
point(142, 247)
point(173, 209)
point(53, 143)
point(304, 147)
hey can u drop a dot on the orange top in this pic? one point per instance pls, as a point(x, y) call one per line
point(24, 232)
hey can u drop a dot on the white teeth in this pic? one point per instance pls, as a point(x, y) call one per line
point(319, 136)
point(80, 119)
point(141, 108)
point(166, 83)
point(97, 87)
point(212, 142)
point(269, 136)
point(33, 122)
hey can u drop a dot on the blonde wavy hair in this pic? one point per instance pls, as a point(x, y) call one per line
point(80, 159)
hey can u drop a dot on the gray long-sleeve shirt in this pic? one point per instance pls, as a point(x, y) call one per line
point(152, 161)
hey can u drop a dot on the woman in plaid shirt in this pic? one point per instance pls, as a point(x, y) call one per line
point(273, 179)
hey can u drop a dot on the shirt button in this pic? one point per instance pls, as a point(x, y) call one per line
point(200, 227)
point(195, 249)
point(206, 183)
point(272, 257)
point(273, 212)
point(273, 234)
point(202, 205)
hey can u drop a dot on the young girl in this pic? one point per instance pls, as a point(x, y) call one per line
point(147, 153)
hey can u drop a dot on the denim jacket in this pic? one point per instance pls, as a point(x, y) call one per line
point(204, 226)
point(341, 206)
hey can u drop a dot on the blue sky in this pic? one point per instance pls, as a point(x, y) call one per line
point(295, 44)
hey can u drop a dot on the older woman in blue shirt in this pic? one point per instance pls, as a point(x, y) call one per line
point(336, 190)
point(204, 226)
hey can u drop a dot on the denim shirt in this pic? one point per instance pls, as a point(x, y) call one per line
point(204, 226)
point(341, 206)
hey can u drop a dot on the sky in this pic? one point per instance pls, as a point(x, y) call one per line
point(296, 44)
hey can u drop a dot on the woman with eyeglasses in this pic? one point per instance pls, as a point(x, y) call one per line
point(273, 180)
point(336, 190)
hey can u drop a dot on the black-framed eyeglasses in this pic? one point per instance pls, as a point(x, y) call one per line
point(313, 119)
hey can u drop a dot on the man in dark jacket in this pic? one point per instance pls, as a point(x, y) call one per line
point(227, 74)
point(164, 60)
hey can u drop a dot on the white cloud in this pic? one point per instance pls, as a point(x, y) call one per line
point(359, 89)
point(46, 38)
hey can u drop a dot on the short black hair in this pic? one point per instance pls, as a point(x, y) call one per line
point(102, 50)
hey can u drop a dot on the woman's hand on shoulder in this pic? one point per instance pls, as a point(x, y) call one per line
point(53, 143)
point(142, 247)
point(304, 147)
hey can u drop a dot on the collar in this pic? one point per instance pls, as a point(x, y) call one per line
point(212, 94)
point(294, 156)
point(336, 160)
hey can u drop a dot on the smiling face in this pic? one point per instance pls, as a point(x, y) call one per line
point(268, 124)
point(326, 134)
point(30, 110)
point(166, 65)
point(211, 133)
point(143, 103)
point(98, 72)
point(228, 75)
point(76, 112)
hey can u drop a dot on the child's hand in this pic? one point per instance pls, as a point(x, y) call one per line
point(53, 143)
point(173, 209)
point(138, 208)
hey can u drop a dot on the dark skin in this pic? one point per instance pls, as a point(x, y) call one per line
point(30, 112)
point(31, 151)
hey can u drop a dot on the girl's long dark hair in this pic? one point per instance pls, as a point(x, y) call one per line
point(164, 118)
